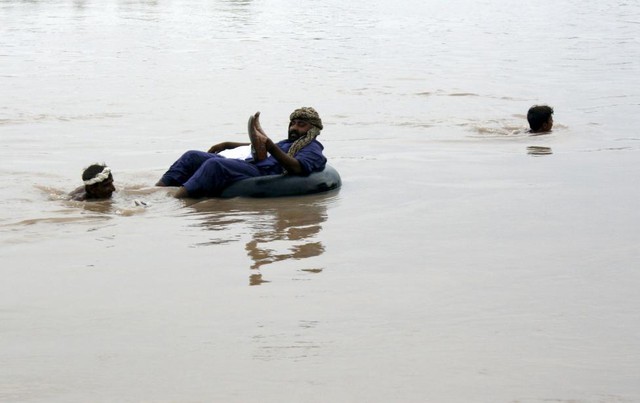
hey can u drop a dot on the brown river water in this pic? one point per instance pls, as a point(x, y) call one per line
point(463, 259)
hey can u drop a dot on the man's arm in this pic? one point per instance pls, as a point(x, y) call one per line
point(289, 163)
point(227, 145)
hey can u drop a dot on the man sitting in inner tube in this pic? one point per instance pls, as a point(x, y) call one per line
point(206, 174)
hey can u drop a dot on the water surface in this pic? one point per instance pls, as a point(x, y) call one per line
point(463, 260)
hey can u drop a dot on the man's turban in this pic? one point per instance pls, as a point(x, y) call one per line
point(308, 114)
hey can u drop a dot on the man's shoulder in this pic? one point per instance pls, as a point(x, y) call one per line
point(287, 141)
point(79, 194)
point(314, 146)
point(316, 143)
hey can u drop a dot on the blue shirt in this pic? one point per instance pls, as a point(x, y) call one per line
point(310, 158)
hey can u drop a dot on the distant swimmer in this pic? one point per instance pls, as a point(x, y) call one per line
point(540, 118)
point(98, 184)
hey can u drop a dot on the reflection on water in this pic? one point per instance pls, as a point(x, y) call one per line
point(539, 150)
point(280, 229)
point(256, 279)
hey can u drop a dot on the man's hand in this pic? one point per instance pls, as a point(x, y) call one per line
point(289, 163)
point(216, 148)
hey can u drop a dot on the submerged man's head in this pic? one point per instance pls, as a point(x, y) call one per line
point(98, 182)
point(302, 120)
point(540, 118)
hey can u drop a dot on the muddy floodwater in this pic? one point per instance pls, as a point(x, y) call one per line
point(463, 260)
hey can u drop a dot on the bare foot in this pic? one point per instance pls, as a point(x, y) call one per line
point(258, 140)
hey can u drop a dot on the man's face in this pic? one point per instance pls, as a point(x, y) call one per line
point(298, 128)
point(102, 190)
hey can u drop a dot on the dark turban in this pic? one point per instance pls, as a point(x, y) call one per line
point(309, 115)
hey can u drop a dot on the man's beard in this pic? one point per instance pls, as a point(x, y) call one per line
point(294, 134)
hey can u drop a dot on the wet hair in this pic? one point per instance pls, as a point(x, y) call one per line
point(538, 115)
point(92, 171)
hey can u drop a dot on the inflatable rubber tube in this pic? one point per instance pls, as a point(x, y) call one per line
point(285, 185)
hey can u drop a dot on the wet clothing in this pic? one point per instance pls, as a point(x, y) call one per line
point(207, 174)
